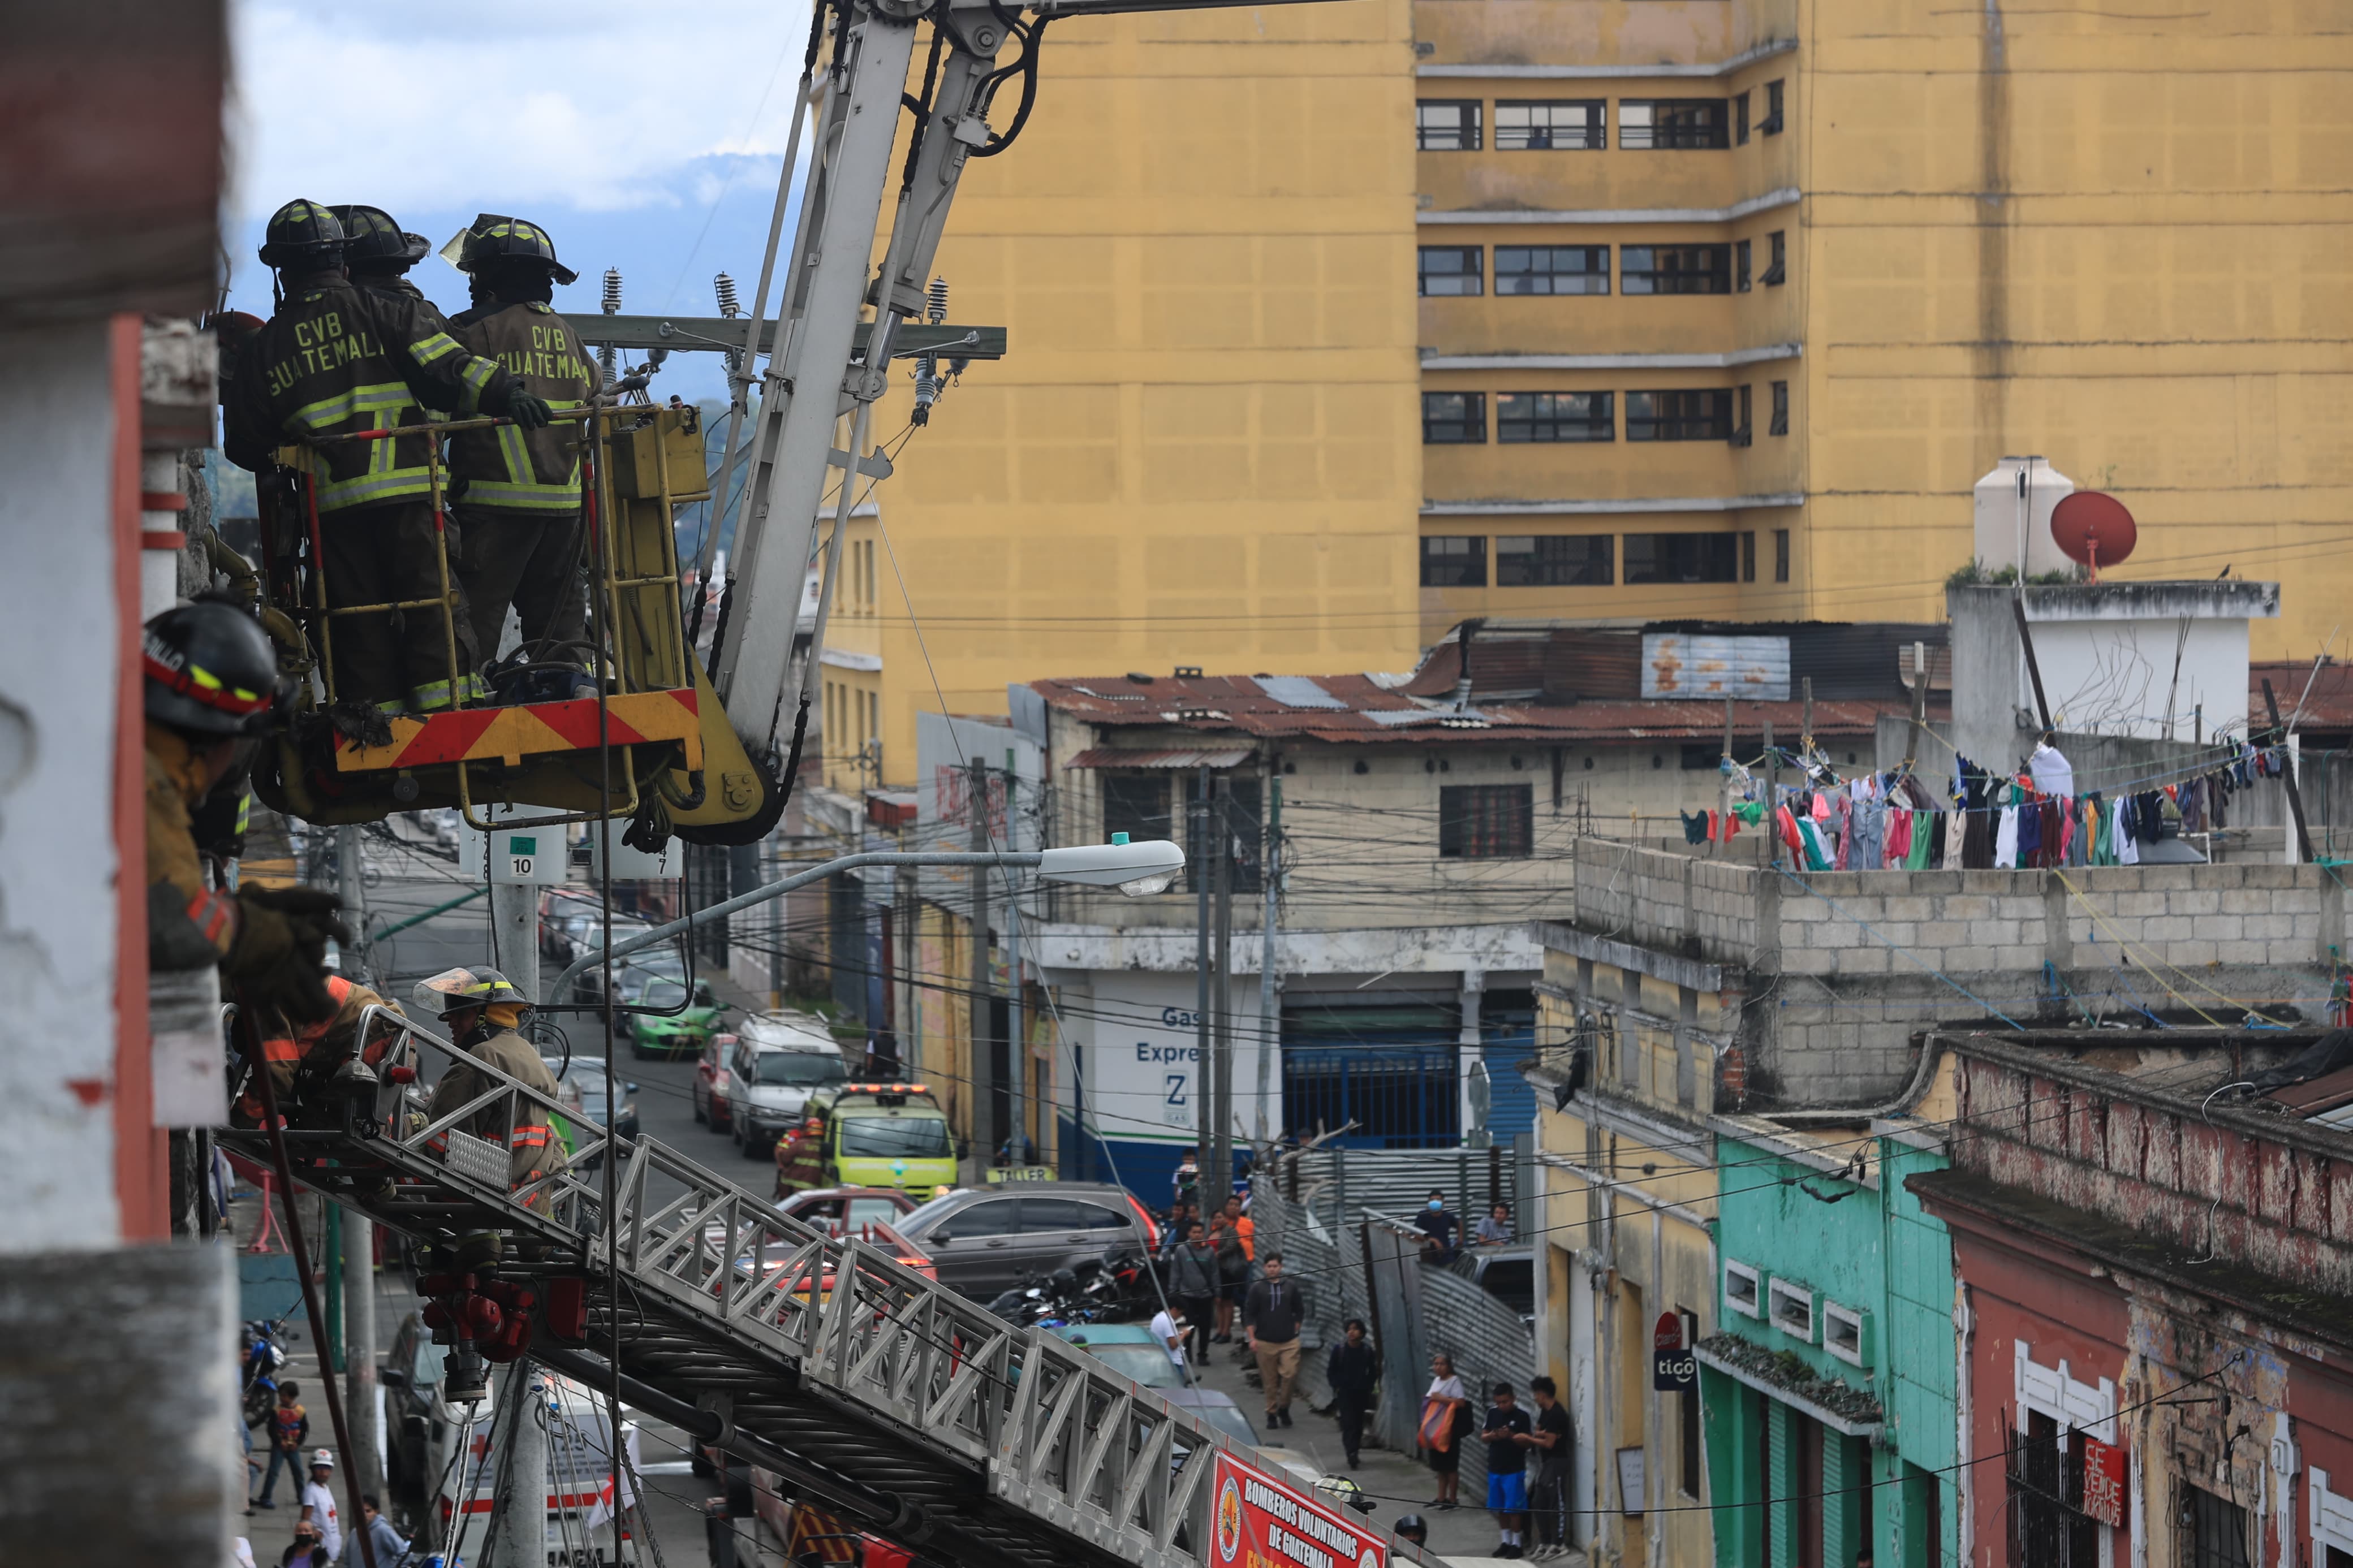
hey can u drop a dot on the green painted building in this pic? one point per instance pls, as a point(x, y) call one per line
point(1830, 1393)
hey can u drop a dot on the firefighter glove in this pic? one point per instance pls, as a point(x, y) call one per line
point(280, 959)
point(530, 413)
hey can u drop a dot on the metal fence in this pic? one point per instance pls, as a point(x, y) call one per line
point(1362, 1263)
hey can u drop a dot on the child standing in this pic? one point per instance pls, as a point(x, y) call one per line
point(290, 1428)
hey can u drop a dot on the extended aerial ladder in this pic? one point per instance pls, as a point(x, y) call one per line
point(871, 1390)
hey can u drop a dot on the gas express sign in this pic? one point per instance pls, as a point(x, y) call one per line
point(1263, 1523)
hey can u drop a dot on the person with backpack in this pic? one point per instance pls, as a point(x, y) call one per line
point(1233, 1269)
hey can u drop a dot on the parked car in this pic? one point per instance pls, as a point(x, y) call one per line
point(564, 920)
point(1218, 1410)
point(1506, 1273)
point(709, 1066)
point(984, 1240)
point(587, 1090)
point(836, 1207)
point(677, 1020)
point(632, 973)
point(1128, 1349)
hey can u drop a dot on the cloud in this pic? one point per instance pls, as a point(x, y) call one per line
point(591, 105)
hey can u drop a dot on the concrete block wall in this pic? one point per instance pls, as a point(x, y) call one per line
point(1843, 970)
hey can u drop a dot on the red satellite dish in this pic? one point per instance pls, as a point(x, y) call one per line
point(2093, 528)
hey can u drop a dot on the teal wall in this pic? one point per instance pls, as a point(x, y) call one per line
point(1875, 1251)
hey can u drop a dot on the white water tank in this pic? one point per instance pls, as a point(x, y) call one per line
point(2013, 516)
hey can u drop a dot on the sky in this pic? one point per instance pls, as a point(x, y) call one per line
point(643, 136)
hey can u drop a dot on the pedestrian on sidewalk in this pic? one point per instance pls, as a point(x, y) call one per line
point(318, 1504)
point(1508, 1434)
point(1270, 1318)
point(1168, 1329)
point(1353, 1372)
point(1193, 1280)
point(306, 1551)
point(1233, 1271)
point(290, 1428)
point(1445, 1417)
point(1438, 1229)
point(1550, 1493)
point(390, 1549)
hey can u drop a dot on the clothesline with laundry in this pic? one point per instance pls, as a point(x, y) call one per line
point(1977, 819)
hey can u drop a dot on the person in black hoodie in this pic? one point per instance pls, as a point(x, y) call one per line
point(1353, 1372)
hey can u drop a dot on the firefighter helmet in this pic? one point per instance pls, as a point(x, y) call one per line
point(492, 237)
point(458, 990)
point(210, 670)
point(370, 234)
point(302, 231)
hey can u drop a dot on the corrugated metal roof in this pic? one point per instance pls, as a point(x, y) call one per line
point(1702, 664)
point(1132, 757)
point(1297, 691)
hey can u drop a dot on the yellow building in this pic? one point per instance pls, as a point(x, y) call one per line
point(1202, 449)
point(1727, 304)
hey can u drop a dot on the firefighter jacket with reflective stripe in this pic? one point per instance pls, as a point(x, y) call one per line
point(189, 923)
point(535, 470)
point(336, 359)
point(532, 1150)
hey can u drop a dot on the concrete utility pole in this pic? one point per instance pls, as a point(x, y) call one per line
point(1204, 1113)
point(1221, 1103)
point(1270, 1022)
point(984, 1075)
point(520, 1499)
point(359, 1231)
point(1016, 1031)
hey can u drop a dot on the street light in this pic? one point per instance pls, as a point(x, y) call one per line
point(1135, 869)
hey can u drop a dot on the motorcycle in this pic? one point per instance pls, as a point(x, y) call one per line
point(265, 1353)
point(1045, 1304)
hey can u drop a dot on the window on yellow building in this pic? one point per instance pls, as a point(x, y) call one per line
point(1551, 270)
point(1701, 414)
point(1486, 822)
point(1779, 272)
point(1550, 125)
point(1740, 119)
point(1741, 279)
point(1672, 123)
point(1448, 270)
point(1554, 560)
point(1771, 124)
point(1454, 561)
point(1780, 555)
point(1682, 558)
point(1523, 418)
point(1780, 426)
point(1446, 124)
point(1674, 269)
point(1740, 426)
point(1748, 556)
point(1453, 419)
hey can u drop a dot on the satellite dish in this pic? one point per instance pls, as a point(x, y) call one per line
point(2093, 528)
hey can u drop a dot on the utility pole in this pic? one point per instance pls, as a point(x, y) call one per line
point(984, 1075)
point(1269, 1030)
point(519, 1499)
point(1203, 1111)
point(1016, 1031)
point(358, 1230)
point(1221, 999)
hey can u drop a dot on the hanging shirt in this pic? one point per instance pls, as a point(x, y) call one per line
point(2053, 775)
point(2005, 839)
point(1957, 832)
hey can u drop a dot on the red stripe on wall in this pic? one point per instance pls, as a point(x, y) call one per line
point(141, 1190)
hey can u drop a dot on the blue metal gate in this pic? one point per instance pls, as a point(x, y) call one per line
point(1400, 1097)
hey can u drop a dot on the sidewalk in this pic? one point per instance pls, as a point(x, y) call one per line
point(1398, 1483)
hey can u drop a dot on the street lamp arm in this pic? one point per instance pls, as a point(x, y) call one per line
point(778, 888)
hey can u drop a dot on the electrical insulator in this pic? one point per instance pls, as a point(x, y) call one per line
point(724, 286)
point(938, 312)
point(928, 388)
point(612, 290)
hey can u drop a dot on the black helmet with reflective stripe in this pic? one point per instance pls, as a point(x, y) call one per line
point(370, 234)
point(302, 231)
point(210, 670)
point(492, 237)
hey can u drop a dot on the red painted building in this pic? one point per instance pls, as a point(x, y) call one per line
point(2156, 1333)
